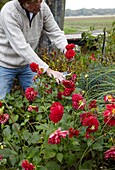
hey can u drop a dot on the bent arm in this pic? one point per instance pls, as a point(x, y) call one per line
point(51, 28)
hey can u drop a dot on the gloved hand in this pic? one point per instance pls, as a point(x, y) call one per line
point(56, 74)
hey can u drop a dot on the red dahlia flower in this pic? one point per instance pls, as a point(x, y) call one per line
point(0, 104)
point(73, 132)
point(85, 115)
point(69, 87)
point(109, 115)
point(110, 154)
point(31, 94)
point(78, 101)
point(56, 112)
point(59, 95)
point(90, 120)
point(55, 138)
point(67, 91)
point(92, 57)
point(70, 46)
point(4, 118)
point(92, 124)
point(92, 104)
point(76, 97)
point(73, 77)
point(34, 67)
point(68, 84)
point(27, 166)
point(70, 54)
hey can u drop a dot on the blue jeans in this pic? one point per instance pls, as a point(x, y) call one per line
point(7, 75)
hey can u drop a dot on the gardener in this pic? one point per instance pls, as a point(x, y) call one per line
point(21, 24)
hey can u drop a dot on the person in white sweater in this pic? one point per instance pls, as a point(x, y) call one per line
point(21, 25)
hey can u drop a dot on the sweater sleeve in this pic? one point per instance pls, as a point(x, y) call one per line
point(17, 40)
point(51, 28)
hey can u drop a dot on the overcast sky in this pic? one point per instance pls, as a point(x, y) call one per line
point(78, 4)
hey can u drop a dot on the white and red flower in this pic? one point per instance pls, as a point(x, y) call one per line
point(4, 118)
point(32, 108)
point(110, 154)
point(55, 138)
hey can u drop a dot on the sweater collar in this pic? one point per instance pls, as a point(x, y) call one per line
point(18, 6)
point(22, 10)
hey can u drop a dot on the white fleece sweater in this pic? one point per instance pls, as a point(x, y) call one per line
point(18, 39)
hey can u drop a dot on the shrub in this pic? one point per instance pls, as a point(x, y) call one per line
point(58, 126)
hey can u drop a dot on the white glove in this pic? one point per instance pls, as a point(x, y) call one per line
point(56, 74)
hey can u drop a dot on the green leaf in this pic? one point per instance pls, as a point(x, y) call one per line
point(7, 131)
point(42, 127)
point(53, 166)
point(15, 127)
point(59, 157)
point(6, 152)
point(49, 154)
point(87, 165)
point(34, 138)
point(14, 152)
point(42, 168)
point(42, 109)
point(70, 158)
point(13, 159)
point(37, 159)
point(34, 150)
point(26, 135)
point(98, 146)
point(15, 118)
point(89, 142)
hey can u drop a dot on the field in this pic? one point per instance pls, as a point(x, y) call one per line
point(79, 24)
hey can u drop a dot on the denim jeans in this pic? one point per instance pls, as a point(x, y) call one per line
point(7, 75)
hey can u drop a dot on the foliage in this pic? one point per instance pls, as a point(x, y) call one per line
point(98, 82)
point(89, 12)
point(67, 126)
point(76, 25)
point(25, 135)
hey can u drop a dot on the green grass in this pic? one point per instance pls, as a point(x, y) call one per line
point(71, 30)
point(80, 24)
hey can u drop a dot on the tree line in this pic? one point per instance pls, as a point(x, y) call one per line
point(89, 12)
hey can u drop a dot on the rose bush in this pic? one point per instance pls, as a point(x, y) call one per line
point(58, 126)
